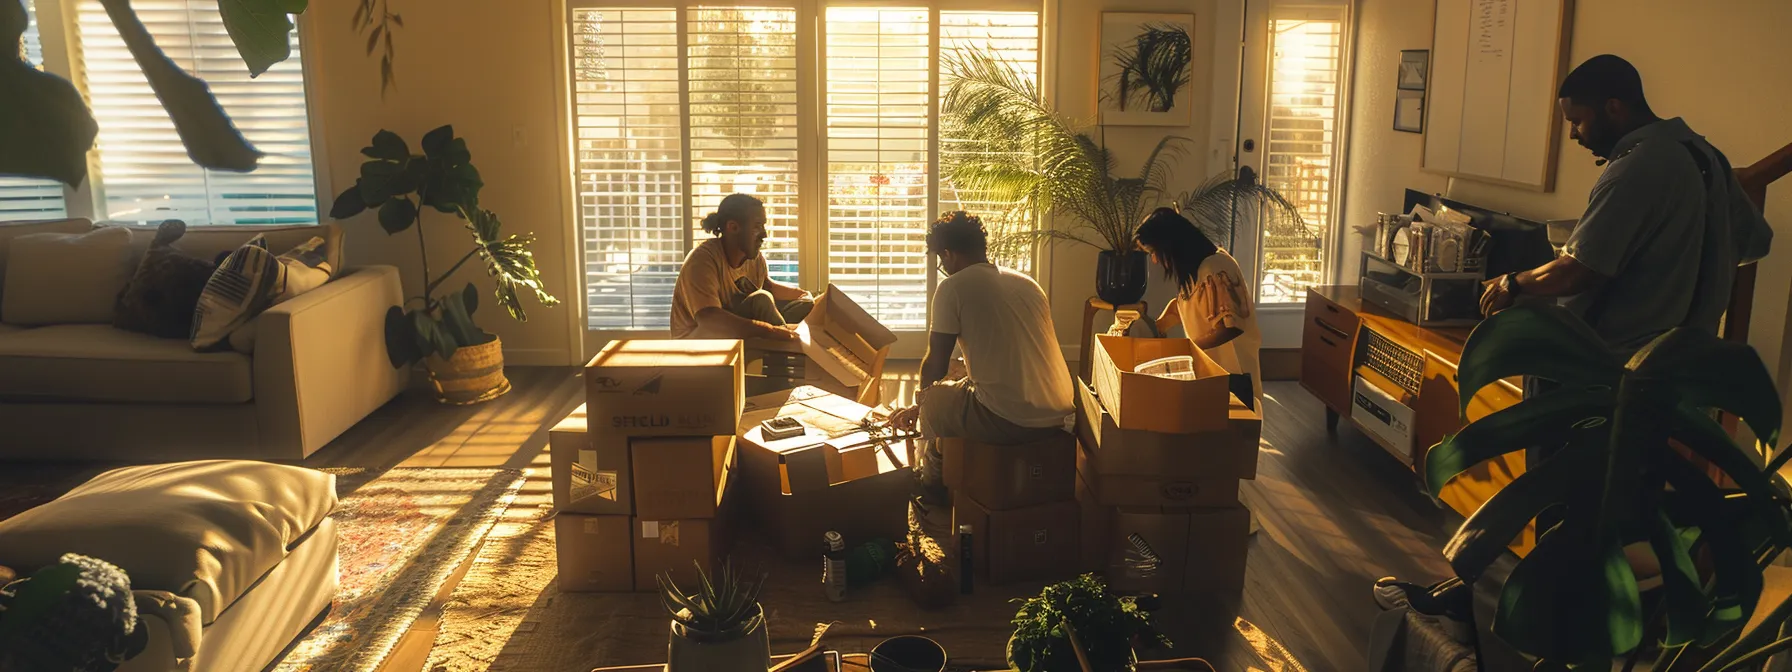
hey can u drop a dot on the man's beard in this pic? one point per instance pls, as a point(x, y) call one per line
point(1603, 139)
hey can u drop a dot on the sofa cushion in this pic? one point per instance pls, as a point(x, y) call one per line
point(11, 230)
point(66, 278)
point(95, 362)
point(205, 530)
point(208, 242)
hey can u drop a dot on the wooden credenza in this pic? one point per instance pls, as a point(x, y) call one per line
point(1339, 340)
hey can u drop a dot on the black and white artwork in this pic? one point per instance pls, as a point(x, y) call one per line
point(1147, 69)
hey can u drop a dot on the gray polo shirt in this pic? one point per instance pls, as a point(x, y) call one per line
point(1666, 243)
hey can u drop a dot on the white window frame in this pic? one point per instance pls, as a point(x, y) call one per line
point(60, 34)
point(811, 135)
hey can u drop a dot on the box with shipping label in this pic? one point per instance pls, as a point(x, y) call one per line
point(590, 472)
point(1011, 476)
point(665, 388)
point(680, 476)
point(839, 348)
point(1035, 543)
point(1178, 550)
point(671, 546)
point(1230, 452)
point(1095, 522)
point(832, 477)
point(1157, 403)
point(1156, 490)
point(594, 553)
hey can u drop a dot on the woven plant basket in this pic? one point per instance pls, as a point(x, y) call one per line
point(473, 375)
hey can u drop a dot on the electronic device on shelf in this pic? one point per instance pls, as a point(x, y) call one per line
point(1427, 299)
point(782, 427)
point(1508, 243)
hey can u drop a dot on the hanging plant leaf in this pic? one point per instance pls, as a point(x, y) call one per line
point(1546, 420)
point(1535, 340)
point(432, 339)
point(397, 215)
point(348, 203)
point(44, 125)
point(1483, 537)
point(211, 140)
point(1572, 599)
point(1686, 603)
point(1709, 372)
point(260, 29)
point(469, 297)
point(401, 339)
point(387, 145)
point(509, 261)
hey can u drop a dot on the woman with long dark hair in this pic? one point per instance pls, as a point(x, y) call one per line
point(1213, 304)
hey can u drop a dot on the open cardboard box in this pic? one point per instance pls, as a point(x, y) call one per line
point(1130, 467)
point(1154, 403)
point(830, 478)
point(845, 346)
point(1166, 550)
point(648, 387)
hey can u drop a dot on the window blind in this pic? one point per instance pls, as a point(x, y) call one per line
point(1012, 37)
point(24, 198)
point(878, 100)
point(742, 79)
point(144, 172)
point(1300, 153)
point(629, 163)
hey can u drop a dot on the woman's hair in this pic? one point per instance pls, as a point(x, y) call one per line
point(734, 207)
point(1179, 244)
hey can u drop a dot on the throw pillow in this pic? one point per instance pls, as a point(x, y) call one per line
point(61, 278)
point(161, 297)
point(243, 286)
point(303, 268)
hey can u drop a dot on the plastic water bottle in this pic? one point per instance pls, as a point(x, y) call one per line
point(833, 566)
point(966, 565)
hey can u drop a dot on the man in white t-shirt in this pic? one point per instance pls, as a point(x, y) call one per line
point(1017, 386)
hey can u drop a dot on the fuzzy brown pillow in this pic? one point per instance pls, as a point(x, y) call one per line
point(160, 298)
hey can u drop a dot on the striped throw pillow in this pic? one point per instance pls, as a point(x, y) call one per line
point(244, 285)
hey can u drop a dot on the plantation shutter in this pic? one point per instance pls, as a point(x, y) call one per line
point(629, 163)
point(1012, 37)
point(741, 69)
point(878, 101)
point(144, 172)
point(1306, 61)
point(24, 198)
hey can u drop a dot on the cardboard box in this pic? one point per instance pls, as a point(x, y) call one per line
point(843, 349)
point(1095, 526)
point(1154, 403)
point(590, 472)
point(1004, 477)
point(594, 553)
point(830, 478)
point(1227, 453)
point(1159, 491)
point(671, 546)
point(1178, 550)
point(680, 477)
point(1036, 543)
point(665, 388)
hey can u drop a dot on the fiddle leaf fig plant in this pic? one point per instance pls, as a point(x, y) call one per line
point(400, 186)
point(46, 127)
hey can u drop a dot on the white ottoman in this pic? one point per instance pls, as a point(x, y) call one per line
point(229, 560)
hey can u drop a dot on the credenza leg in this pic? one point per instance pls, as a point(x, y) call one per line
point(1331, 421)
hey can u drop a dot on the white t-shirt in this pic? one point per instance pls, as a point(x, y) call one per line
point(1004, 327)
point(1221, 299)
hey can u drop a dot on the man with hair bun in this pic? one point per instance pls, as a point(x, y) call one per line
point(1017, 385)
point(724, 289)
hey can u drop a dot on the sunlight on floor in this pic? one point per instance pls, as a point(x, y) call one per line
point(1276, 656)
point(488, 439)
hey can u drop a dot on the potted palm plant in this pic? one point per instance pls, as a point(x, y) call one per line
point(1619, 474)
point(1012, 148)
point(465, 363)
point(718, 627)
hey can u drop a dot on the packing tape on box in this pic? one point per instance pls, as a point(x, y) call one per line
point(587, 481)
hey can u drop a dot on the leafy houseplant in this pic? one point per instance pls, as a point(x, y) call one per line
point(719, 627)
point(46, 127)
point(437, 327)
point(1107, 626)
point(1017, 150)
point(1616, 477)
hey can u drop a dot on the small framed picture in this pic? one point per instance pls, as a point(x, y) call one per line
point(1415, 69)
point(1409, 111)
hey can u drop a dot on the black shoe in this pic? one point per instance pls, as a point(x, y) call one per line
point(1448, 603)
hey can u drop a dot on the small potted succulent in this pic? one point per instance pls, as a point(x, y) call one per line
point(921, 565)
point(1081, 610)
point(718, 627)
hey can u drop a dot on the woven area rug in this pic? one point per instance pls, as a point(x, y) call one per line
point(508, 615)
point(401, 534)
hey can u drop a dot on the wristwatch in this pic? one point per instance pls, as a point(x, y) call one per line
point(1509, 282)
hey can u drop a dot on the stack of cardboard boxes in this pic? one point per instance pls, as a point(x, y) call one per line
point(1159, 469)
point(642, 472)
point(1020, 503)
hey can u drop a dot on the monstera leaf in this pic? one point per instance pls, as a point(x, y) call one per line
point(1617, 475)
point(509, 261)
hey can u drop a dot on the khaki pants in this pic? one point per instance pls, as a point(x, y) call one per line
point(759, 305)
point(950, 410)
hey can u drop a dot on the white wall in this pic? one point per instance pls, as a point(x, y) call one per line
point(1723, 65)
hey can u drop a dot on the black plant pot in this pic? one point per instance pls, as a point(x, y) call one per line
point(1120, 277)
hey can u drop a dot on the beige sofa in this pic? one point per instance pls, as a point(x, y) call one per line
point(92, 392)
